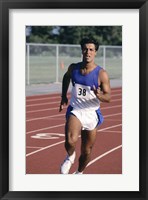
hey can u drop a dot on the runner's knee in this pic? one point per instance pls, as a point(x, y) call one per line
point(86, 151)
point(71, 139)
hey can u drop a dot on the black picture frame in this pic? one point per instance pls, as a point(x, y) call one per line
point(5, 5)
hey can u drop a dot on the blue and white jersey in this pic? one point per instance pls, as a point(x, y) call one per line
point(83, 96)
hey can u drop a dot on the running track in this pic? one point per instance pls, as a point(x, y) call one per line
point(45, 136)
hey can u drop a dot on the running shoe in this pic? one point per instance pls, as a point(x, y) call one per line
point(65, 167)
point(77, 172)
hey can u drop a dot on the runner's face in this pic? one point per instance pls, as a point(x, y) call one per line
point(89, 52)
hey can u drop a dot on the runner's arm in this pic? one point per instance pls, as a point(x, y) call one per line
point(103, 93)
point(65, 86)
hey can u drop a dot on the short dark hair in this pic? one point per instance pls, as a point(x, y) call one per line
point(87, 40)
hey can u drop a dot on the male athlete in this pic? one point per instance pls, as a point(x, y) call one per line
point(90, 86)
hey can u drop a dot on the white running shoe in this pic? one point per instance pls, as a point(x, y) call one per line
point(65, 167)
point(77, 172)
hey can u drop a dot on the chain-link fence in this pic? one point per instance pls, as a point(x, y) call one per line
point(47, 63)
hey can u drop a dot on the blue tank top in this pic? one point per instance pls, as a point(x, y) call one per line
point(83, 96)
point(88, 79)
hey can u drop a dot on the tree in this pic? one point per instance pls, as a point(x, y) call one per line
point(106, 35)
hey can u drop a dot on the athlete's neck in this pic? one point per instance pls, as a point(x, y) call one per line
point(88, 66)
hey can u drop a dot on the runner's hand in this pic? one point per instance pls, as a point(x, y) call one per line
point(97, 91)
point(64, 101)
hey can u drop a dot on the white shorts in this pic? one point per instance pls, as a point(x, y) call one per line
point(89, 119)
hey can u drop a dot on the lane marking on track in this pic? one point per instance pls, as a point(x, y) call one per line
point(45, 109)
point(110, 115)
point(103, 155)
point(47, 103)
point(57, 135)
point(49, 127)
point(42, 129)
point(47, 96)
point(110, 127)
point(60, 115)
point(33, 119)
point(111, 131)
point(55, 144)
point(56, 96)
point(48, 136)
point(47, 147)
point(113, 120)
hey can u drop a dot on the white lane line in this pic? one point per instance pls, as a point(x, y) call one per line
point(41, 104)
point(60, 115)
point(47, 147)
point(110, 115)
point(63, 125)
point(45, 109)
point(47, 96)
point(33, 119)
point(112, 131)
point(38, 104)
point(104, 154)
point(103, 129)
point(42, 129)
point(55, 144)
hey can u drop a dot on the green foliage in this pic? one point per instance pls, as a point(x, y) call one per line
point(106, 35)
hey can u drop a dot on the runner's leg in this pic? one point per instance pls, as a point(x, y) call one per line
point(72, 130)
point(87, 141)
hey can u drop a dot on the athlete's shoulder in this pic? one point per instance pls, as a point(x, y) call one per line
point(99, 67)
point(103, 74)
point(73, 66)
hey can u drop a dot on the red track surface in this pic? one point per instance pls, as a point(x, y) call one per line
point(45, 137)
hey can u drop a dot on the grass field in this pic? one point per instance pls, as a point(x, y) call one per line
point(42, 69)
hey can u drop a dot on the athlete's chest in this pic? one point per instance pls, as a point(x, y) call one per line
point(88, 79)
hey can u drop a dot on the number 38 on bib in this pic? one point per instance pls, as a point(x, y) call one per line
point(82, 91)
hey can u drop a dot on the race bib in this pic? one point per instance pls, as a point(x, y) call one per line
point(83, 91)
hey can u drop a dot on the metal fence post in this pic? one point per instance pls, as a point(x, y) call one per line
point(104, 57)
point(28, 64)
point(57, 63)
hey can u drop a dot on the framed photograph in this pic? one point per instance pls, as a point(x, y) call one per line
point(18, 178)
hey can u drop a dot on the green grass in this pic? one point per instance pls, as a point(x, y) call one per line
point(42, 69)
